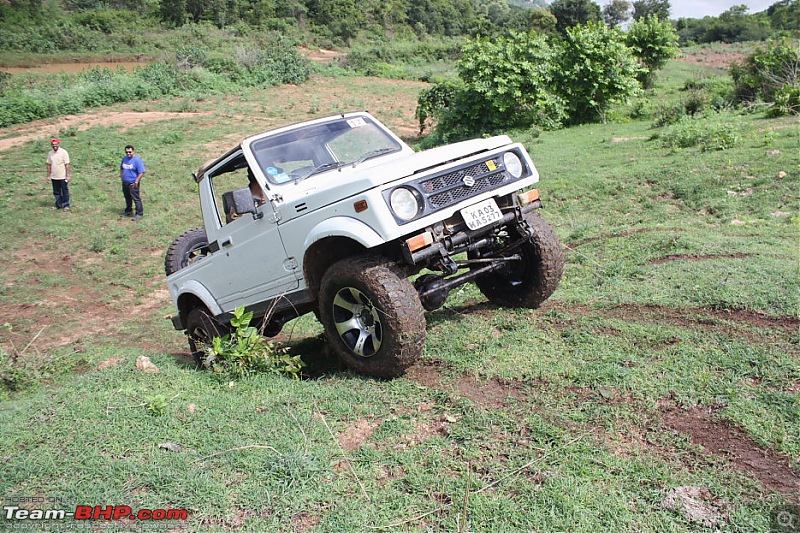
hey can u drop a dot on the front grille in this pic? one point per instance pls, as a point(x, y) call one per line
point(457, 194)
point(444, 189)
point(448, 189)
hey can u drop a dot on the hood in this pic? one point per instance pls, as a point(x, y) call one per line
point(348, 181)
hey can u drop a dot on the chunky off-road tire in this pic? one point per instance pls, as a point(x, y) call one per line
point(185, 250)
point(372, 316)
point(201, 328)
point(529, 282)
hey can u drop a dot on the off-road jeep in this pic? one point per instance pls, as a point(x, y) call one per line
point(339, 217)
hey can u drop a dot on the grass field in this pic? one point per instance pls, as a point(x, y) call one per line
point(657, 390)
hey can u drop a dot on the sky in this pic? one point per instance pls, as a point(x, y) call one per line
point(698, 9)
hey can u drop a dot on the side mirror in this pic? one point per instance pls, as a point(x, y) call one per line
point(239, 202)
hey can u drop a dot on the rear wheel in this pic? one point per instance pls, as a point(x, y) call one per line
point(372, 316)
point(531, 281)
point(201, 328)
point(185, 250)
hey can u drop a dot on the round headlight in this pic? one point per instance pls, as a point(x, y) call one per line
point(513, 164)
point(404, 203)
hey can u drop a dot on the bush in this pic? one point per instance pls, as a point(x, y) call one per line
point(766, 74)
point(363, 58)
point(190, 56)
point(161, 76)
point(245, 352)
point(595, 71)
point(787, 102)
point(515, 77)
point(653, 42)
point(707, 132)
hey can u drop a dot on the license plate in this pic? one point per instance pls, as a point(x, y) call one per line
point(481, 214)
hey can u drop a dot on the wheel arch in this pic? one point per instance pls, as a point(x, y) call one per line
point(332, 240)
point(322, 254)
point(193, 294)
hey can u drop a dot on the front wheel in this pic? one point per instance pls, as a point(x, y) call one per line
point(530, 281)
point(201, 328)
point(372, 316)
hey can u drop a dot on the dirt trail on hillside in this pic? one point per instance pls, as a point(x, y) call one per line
point(50, 127)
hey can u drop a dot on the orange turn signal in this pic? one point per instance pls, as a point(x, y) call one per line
point(360, 206)
point(528, 197)
point(420, 241)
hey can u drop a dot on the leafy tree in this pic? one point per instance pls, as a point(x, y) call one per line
point(595, 70)
point(785, 15)
point(736, 25)
point(442, 17)
point(570, 13)
point(645, 8)
point(514, 76)
point(653, 43)
point(503, 82)
point(536, 19)
point(173, 11)
point(616, 12)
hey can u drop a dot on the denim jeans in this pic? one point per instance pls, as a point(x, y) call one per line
point(132, 195)
point(61, 193)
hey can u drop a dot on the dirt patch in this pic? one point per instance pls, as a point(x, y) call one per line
point(626, 139)
point(694, 504)
point(73, 68)
point(70, 302)
point(695, 318)
point(773, 470)
point(709, 58)
point(357, 434)
point(620, 234)
point(486, 393)
point(320, 55)
point(695, 257)
point(49, 127)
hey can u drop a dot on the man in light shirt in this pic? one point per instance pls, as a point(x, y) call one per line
point(59, 174)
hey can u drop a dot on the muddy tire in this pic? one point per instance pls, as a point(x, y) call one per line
point(201, 328)
point(529, 282)
point(372, 316)
point(185, 250)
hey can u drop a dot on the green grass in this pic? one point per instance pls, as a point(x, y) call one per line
point(680, 295)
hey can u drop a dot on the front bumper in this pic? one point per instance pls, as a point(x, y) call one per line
point(464, 240)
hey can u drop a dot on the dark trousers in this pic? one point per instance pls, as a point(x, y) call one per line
point(133, 196)
point(61, 193)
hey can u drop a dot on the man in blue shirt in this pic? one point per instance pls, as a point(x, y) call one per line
point(131, 171)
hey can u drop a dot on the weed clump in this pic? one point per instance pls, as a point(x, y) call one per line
point(245, 352)
point(707, 133)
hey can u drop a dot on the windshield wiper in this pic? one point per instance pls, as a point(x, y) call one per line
point(370, 155)
point(321, 168)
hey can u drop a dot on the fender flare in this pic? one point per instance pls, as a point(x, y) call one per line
point(197, 289)
point(348, 227)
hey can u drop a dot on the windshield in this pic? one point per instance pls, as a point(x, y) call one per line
point(319, 148)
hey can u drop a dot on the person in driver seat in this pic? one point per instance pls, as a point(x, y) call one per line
point(255, 189)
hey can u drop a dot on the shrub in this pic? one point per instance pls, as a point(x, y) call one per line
point(653, 42)
point(245, 352)
point(282, 59)
point(162, 76)
point(706, 132)
point(787, 102)
point(765, 74)
point(515, 77)
point(595, 71)
point(190, 56)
